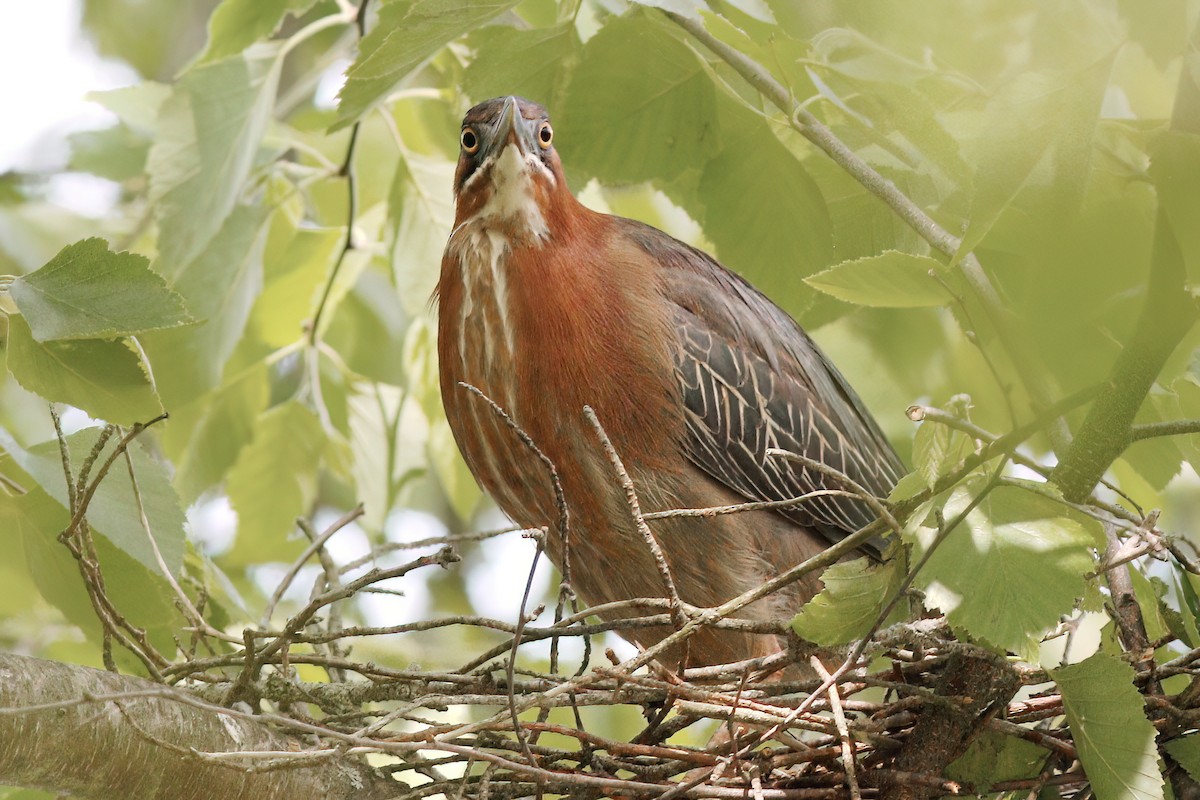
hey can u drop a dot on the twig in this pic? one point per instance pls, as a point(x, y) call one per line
point(635, 510)
point(346, 171)
point(835, 705)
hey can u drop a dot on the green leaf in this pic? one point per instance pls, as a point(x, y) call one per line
point(763, 212)
point(939, 449)
point(684, 8)
point(889, 280)
point(89, 292)
point(237, 24)
point(116, 153)
point(1109, 725)
point(275, 481)
point(220, 288)
point(208, 135)
point(1011, 570)
point(293, 277)
point(1033, 115)
point(854, 595)
point(995, 757)
point(855, 55)
point(137, 105)
point(408, 32)
point(140, 595)
point(106, 379)
point(114, 510)
point(640, 106)
point(205, 437)
point(531, 63)
point(908, 487)
point(1186, 750)
point(421, 215)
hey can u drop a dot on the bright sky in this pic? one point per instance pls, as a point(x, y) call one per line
point(48, 67)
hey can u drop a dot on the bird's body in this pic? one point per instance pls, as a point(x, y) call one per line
point(546, 307)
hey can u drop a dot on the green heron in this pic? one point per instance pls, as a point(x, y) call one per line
point(546, 306)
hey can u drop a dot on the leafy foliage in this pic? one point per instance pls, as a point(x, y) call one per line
point(972, 201)
point(1115, 740)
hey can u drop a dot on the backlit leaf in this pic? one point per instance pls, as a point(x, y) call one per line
point(1011, 569)
point(890, 280)
point(855, 594)
point(237, 24)
point(114, 510)
point(208, 135)
point(275, 481)
point(407, 33)
point(220, 287)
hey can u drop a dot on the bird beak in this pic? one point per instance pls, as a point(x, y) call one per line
point(511, 129)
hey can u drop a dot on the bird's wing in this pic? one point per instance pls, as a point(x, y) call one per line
point(752, 379)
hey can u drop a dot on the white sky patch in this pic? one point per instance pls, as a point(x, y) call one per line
point(50, 67)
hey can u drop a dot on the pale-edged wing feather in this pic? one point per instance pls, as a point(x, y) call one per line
point(751, 379)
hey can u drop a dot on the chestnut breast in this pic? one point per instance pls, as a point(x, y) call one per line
point(544, 325)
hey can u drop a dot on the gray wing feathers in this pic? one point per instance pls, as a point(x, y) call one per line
point(751, 380)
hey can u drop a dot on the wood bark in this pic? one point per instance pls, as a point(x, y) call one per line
point(148, 748)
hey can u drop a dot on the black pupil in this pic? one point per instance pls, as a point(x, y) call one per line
point(545, 134)
point(468, 140)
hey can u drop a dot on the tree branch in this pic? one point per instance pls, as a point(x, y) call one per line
point(1167, 315)
point(142, 745)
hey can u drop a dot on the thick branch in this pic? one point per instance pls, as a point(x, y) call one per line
point(147, 747)
point(1167, 315)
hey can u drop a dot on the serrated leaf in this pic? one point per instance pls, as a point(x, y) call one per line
point(1011, 570)
point(208, 135)
point(938, 450)
point(113, 510)
point(1110, 729)
point(889, 280)
point(237, 24)
point(854, 595)
point(530, 63)
point(640, 106)
point(90, 292)
point(275, 481)
point(1186, 750)
point(907, 488)
point(407, 33)
point(763, 212)
point(995, 757)
point(104, 378)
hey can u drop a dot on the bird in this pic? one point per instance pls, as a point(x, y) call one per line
point(546, 307)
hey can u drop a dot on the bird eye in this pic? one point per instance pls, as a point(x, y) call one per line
point(470, 142)
point(545, 135)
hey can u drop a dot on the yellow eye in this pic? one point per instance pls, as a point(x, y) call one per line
point(545, 135)
point(470, 142)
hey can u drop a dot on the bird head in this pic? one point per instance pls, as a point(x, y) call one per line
point(508, 171)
